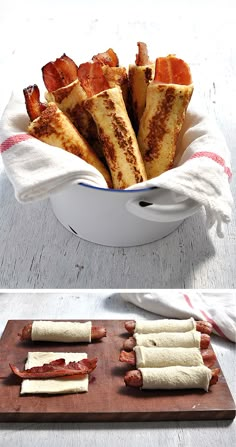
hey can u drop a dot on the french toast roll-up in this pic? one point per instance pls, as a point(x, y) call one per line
point(140, 75)
point(115, 131)
point(64, 88)
point(167, 99)
point(50, 125)
point(70, 100)
point(173, 378)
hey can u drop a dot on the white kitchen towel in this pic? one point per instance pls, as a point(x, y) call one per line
point(217, 307)
point(202, 170)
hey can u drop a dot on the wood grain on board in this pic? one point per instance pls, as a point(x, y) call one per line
point(108, 399)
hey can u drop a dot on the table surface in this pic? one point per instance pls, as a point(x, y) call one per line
point(35, 250)
point(107, 305)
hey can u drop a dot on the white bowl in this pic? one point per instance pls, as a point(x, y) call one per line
point(120, 218)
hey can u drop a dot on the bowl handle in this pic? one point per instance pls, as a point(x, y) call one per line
point(169, 208)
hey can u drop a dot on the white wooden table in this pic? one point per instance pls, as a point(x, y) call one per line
point(98, 305)
point(35, 250)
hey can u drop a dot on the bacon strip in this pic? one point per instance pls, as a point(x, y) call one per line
point(109, 57)
point(57, 368)
point(134, 378)
point(92, 78)
point(202, 326)
point(97, 332)
point(59, 73)
point(142, 57)
point(32, 101)
point(171, 70)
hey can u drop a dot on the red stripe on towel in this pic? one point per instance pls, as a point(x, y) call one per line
point(214, 324)
point(188, 301)
point(11, 141)
point(215, 158)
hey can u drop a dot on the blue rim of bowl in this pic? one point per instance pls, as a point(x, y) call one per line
point(118, 190)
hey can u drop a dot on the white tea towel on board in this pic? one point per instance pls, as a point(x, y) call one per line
point(202, 169)
point(34, 168)
point(219, 308)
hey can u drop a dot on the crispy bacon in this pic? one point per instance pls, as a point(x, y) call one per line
point(205, 341)
point(134, 378)
point(209, 357)
point(202, 326)
point(171, 70)
point(59, 73)
point(57, 368)
point(109, 57)
point(97, 332)
point(142, 57)
point(205, 327)
point(92, 78)
point(128, 357)
point(32, 101)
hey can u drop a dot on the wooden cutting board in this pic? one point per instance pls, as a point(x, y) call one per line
point(108, 399)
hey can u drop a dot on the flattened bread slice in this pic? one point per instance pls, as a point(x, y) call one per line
point(57, 385)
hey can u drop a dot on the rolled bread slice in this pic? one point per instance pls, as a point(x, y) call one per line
point(70, 100)
point(119, 142)
point(166, 325)
point(176, 377)
point(54, 128)
point(189, 339)
point(53, 386)
point(160, 125)
point(147, 357)
point(61, 331)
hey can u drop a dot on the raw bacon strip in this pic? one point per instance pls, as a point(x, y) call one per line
point(171, 70)
point(59, 73)
point(134, 378)
point(142, 57)
point(97, 332)
point(57, 368)
point(109, 57)
point(92, 78)
point(208, 357)
point(202, 326)
point(32, 101)
point(130, 343)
